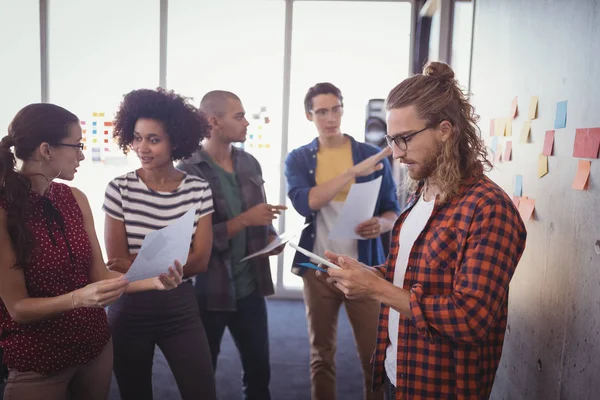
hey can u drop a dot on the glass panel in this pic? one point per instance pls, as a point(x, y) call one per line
point(362, 48)
point(216, 45)
point(19, 58)
point(462, 32)
point(95, 56)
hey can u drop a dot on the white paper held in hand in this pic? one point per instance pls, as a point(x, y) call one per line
point(280, 240)
point(161, 248)
point(313, 256)
point(358, 207)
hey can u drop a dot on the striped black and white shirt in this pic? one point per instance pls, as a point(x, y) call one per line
point(144, 210)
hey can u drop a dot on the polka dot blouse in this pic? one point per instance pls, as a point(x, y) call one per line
point(59, 265)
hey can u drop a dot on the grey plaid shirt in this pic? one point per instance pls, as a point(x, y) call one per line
point(214, 288)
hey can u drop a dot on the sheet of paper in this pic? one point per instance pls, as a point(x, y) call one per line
point(582, 176)
point(508, 151)
point(519, 185)
point(525, 131)
point(282, 239)
point(542, 165)
point(548, 143)
point(526, 208)
point(593, 143)
point(514, 108)
point(561, 115)
point(358, 207)
point(533, 106)
point(161, 248)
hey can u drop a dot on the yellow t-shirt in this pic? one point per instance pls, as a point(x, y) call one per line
point(332, 162)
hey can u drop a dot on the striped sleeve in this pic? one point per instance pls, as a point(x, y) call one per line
point(113, 204)
point(204, 201)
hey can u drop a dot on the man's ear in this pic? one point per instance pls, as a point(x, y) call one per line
point(446, 130)
point(309, 116)
point(213, 121)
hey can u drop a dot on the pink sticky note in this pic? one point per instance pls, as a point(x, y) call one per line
point(498, 154)
point(526, 207)
point(516, 200)
point(580, 142)
point(492, 127)
point(508, 151)
point(548, 143)
point(593, 143)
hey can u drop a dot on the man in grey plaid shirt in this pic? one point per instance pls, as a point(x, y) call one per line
point(231, 293)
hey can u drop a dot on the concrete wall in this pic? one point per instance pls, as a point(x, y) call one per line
point(550, 49)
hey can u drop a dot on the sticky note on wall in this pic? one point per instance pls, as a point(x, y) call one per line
point(587, 143)
point(519, 185)
point(526, 208)
point(525, 132)
point(533, 107)
point(514, 108)
point(548, 143)
point(561, 115)
point(542, 165)
point(582, 176)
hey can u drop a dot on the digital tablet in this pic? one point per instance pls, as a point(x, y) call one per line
point(313, 256)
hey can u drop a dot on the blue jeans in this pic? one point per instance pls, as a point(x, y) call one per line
point(249, 329)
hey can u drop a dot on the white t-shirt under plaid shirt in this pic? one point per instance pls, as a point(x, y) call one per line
point(143, 210)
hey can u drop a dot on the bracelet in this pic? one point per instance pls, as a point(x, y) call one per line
point(73, 299)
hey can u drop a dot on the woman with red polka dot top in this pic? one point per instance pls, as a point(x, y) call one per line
point(54, 283)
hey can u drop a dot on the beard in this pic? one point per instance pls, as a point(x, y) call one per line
point(426, 168)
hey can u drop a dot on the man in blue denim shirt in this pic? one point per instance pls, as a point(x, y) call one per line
point(319, 176)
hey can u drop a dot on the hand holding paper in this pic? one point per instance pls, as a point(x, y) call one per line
point(161, 248)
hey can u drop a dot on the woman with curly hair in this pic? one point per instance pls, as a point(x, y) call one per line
point(159, 127)
point(53, 280)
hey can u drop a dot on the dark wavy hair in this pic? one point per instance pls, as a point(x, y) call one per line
point(33, 125)
point(438, 97)
point(321, 88)
point(184, 123)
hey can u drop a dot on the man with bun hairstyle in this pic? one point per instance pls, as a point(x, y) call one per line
point(444, 287)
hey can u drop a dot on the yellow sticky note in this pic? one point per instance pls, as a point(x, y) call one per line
point(95, 114)
point(533, 106)
point(525, 131)
point(542, 165)
point(500, 126)
point(508, 127)
point(101, 114)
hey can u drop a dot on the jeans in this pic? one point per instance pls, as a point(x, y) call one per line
point(249, 329)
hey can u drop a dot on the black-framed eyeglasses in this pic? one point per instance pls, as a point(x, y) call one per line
point(402, 141)
point(80, 146)
point(324, 112)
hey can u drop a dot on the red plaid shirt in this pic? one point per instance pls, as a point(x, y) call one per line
point(458, 274)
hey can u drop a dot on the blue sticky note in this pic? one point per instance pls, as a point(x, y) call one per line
point(519, 186)
point(94, 123)
point(311, 265)
point(495, 143)
point(561, 115)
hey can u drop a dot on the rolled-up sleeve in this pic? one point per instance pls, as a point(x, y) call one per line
point(494, 246)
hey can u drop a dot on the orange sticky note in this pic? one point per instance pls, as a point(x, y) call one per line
point(533, 106)
point(514, 108)
point(542, 165)
point(508, 128)
point(500, 126)
point(548, 143)
point(516, 200)
point(492, 126)
point(582, 176)
point(525, 131)
point(526, 208)
point(508, 151)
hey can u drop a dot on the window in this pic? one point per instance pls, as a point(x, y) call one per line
point(19, 58)
point(362, 48)
point(97, 52)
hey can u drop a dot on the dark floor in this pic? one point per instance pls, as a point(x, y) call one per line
point(289, 360)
